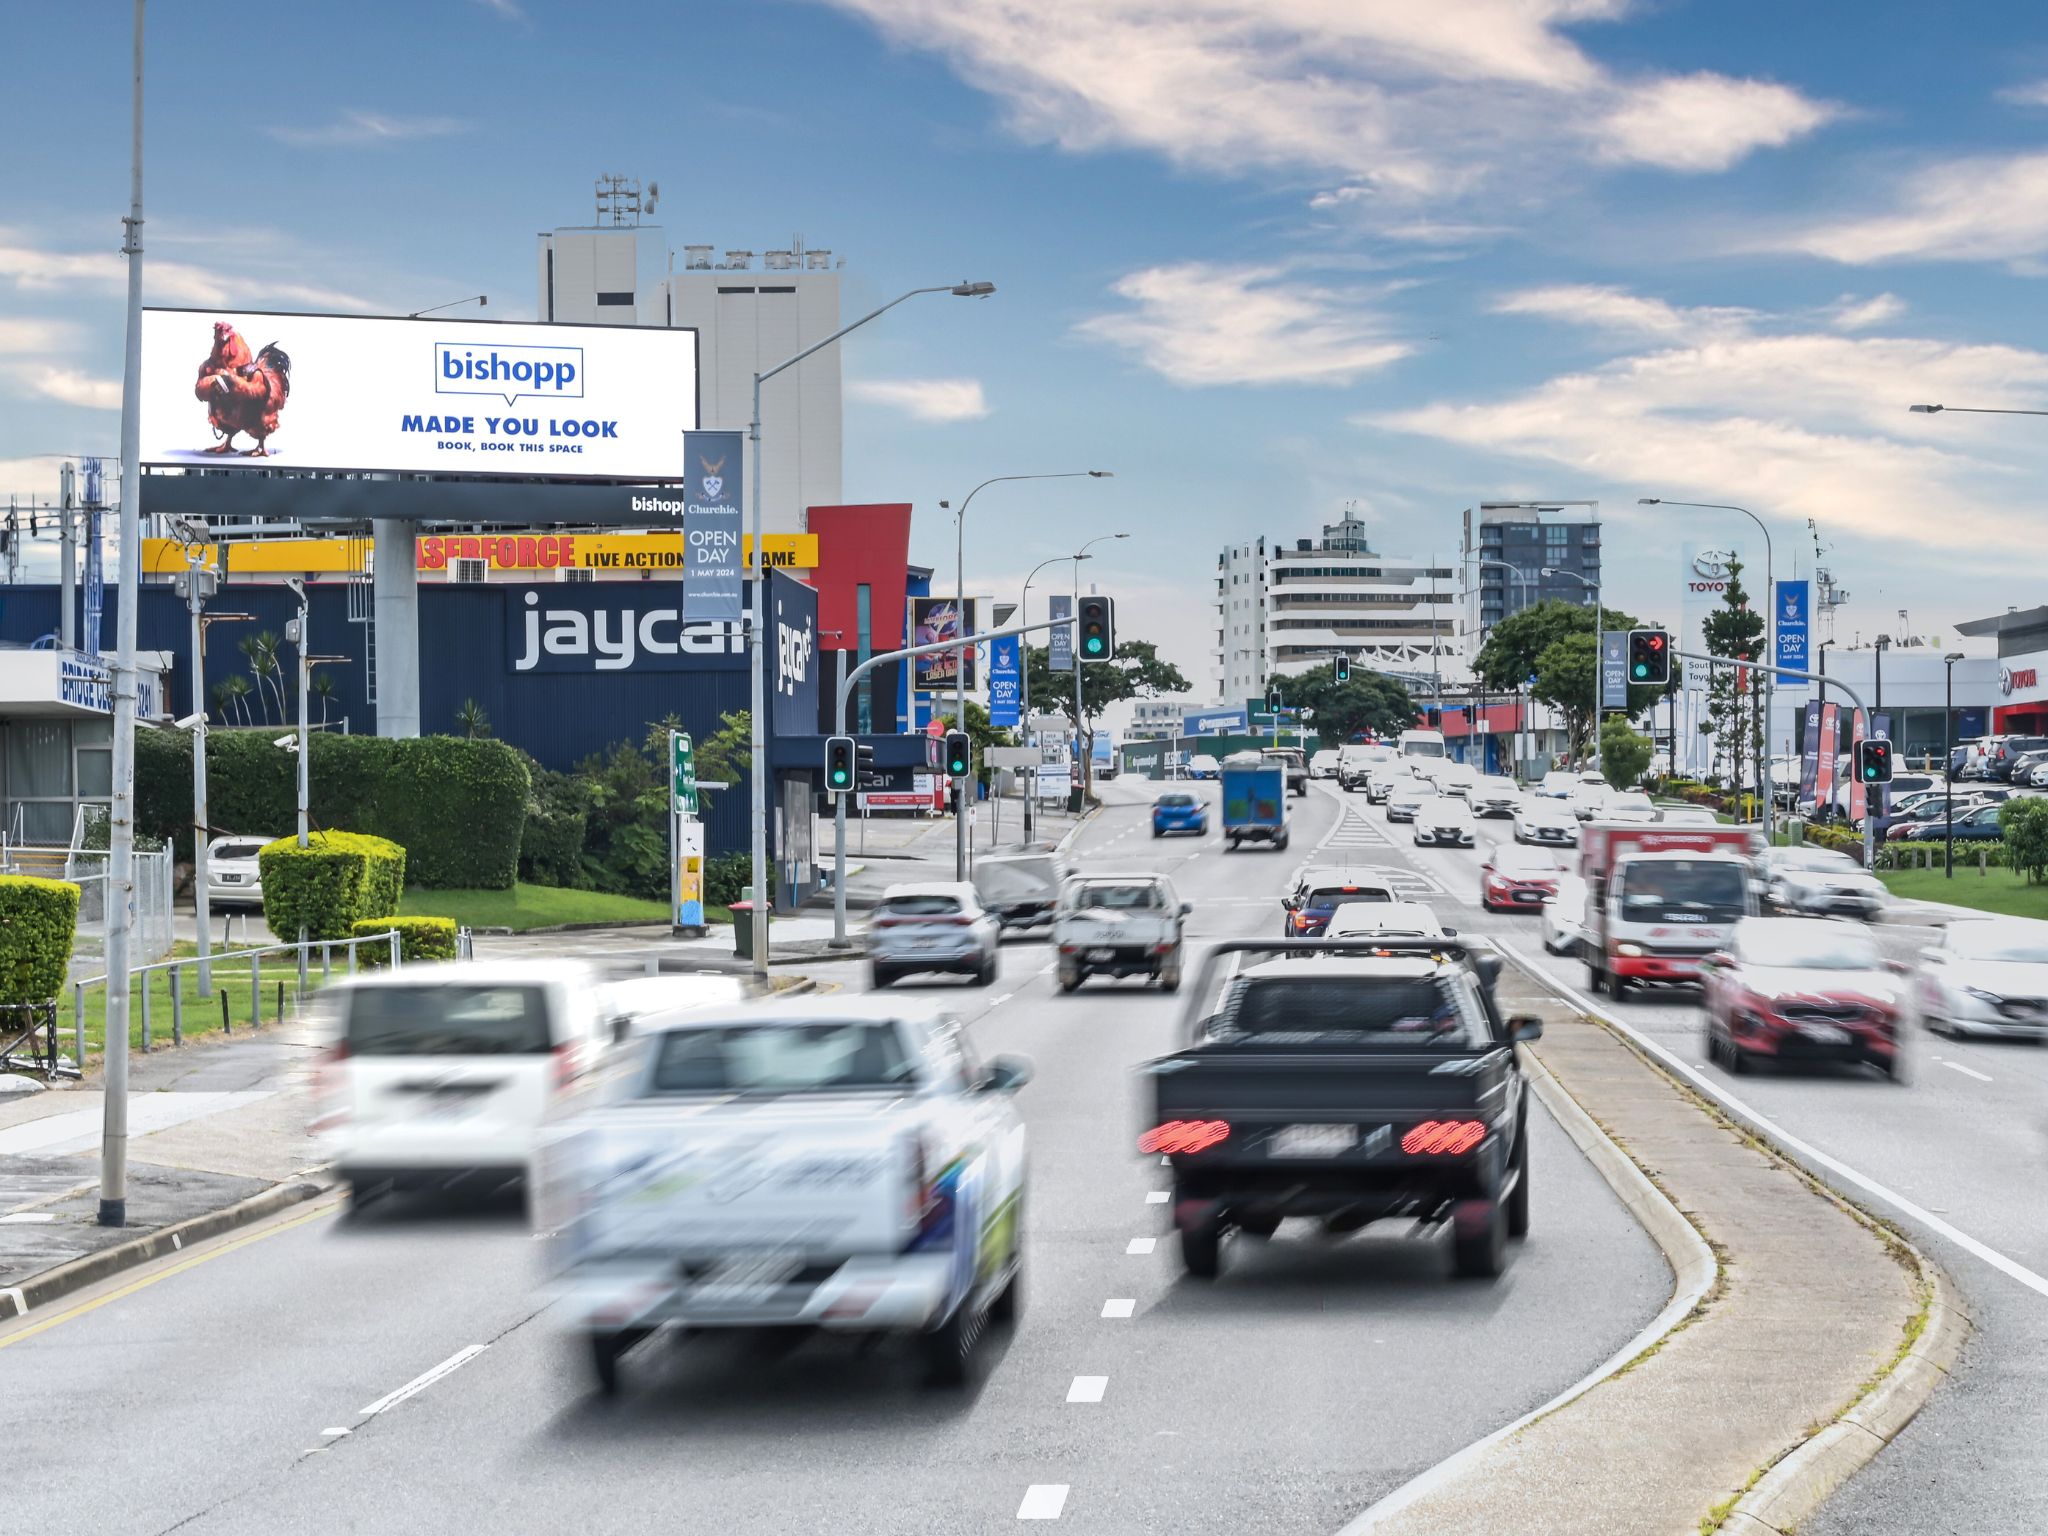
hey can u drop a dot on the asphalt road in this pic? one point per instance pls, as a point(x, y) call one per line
point(1962, 1143)
point(1314, 1378)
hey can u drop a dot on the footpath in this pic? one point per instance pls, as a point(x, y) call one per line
point(1800, 1338)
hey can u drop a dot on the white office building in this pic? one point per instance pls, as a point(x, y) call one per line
point(751, 310)
point(1285, 608)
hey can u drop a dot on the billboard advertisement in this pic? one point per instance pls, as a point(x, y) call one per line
point(1614, 669)
point(712, 586)
point(1005, 682)
point(792, 631)
point(1824, 769)
point(1215, 722)
point(1809, 761)
point(934, 619)
point(1789, 610)
point(1061, 640)
point(236, 389)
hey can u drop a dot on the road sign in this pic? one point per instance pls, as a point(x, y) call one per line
point(682, 772)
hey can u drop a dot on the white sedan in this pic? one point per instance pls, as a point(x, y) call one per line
point(1445, 821)
point(1385, 920)
point(1494, 795)
point(1588, 802)
point(1986, 977)
point(1407, 797)
point(1323, 765)
point(1545, 823)
point(1629, 805)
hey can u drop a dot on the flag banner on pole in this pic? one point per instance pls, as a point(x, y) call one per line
point(713, 587)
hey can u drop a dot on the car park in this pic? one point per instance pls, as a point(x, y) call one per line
point(1445, 821)
point(932, 925)
point(1019, 889)
point(1420, 1103)
point(441, 1076)
point(1323, 765)
point(1791, 990)
point(1119, 925)
point(1311, 907)
point(1494, 795)
point(1179, 811)
point(829, 1165)
point(1546, 823)
point(1978, 824)
point(1406, 798)
point(1818, 882)
point(1515, 878)
point(234, 877)
point(1986, 978)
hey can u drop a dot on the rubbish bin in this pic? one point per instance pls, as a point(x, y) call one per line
point(743, 929)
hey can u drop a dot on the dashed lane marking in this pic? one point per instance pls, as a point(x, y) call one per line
point(1087, 1389)
point(1043, 1501)
point(1957, 1066)
point(1141, 1245)
point(1156, 1197)
point(424, 1380)
point(1120, 1306)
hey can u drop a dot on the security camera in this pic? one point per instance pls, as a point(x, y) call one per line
point(189, 530)
point(289, 743)
point(189, 721)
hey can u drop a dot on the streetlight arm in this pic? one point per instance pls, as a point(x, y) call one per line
point(762, 378)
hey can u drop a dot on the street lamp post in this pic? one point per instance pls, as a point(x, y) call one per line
point(757, 755)
point(1023, 614)
point(1948, 774)
point(1528, 583)
point(1770, 678)
point(960, 661)
point(1599, 657)
point(1974, 410)
point(1082, 769)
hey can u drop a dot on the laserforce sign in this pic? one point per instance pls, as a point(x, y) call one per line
point(247, 390)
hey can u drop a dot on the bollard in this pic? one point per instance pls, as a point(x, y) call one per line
point(227, 1022)
point(177, 1005)
point(1983, 863)
point(255, 989)
point(280, 1002)
point(145, 1009)
point(394, 949)
point(326, 960)
point(78, 1024)
point(352, 943)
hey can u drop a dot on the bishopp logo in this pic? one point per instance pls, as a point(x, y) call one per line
point(546, 373)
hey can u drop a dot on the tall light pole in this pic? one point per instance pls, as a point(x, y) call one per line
point(960, 661)
point(1528, 583)
point(1770, 634)
point(1082, 769)
point(757, 756)
point(1948, 773)
point(113, 1206)
point(1599, 657)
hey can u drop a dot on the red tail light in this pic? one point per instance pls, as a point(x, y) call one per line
point(565, 1065)
point(1184, 1136)
point(1443, 1138)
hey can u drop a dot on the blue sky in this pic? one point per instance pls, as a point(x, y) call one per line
point(1259, 257)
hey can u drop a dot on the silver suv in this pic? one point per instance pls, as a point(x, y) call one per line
point(933, 925)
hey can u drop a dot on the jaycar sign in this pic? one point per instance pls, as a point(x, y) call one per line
point(633, 628)
point(235, 389)
point(793, 665)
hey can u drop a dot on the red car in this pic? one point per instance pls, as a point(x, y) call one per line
point(1516, 878)
point(1799, 989)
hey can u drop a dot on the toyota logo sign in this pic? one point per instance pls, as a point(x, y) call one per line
point(1712, 564)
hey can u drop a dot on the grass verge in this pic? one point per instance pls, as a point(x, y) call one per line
point(536, 906)
point(1995, 890)
point(181, 1011)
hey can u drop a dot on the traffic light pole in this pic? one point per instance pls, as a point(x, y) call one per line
point(1869, 819)
point(846, 685)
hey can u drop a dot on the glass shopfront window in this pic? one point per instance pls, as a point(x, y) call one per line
point(51, 767)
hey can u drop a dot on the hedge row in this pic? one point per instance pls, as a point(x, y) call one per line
point(331, 885)
point(419, 938)
point(37, 921)
point(457, 807)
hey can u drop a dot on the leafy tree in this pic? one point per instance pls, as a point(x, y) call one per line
point(1734, 711)
point(1554, 642)
point(1371, 702)
point(1136, 672)
point(2024, 824)
point(1624, 752)
point(231, 694)
point(471, 721)
point(322, 687)
point(981, 734)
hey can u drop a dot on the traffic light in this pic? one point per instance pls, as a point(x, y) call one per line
point(1098, 629)
point(1649, 657)
point(840, 764)
point(1342, 671)
point(1873, 761)
point(1272, 701)
point(959, 754)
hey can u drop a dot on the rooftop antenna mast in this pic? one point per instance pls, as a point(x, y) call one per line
point(620, 201)
point(1827, 597)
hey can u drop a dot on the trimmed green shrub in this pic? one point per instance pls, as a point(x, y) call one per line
point(459, 807)
point(38, 919)
point(419, 938)
point(326, 887)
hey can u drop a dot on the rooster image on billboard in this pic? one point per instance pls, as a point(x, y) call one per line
point(933, 620)
point(251, 390)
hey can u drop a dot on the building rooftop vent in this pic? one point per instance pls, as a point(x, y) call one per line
point(696, 258)
point(817, 261)
point(1304, 545)
point(779, 261)
point(737, 261)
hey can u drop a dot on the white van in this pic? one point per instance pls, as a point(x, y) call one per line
point(442, 1074)
point(1421, 744)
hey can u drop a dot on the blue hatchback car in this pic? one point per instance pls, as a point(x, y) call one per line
point(1179, 812)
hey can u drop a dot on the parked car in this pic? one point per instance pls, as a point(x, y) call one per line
point(1999, 761)
point(1203, 766)
point(1787, 989)
point(1119, 925)
point(233, 876)
point(1494, 795)
point(1019, 889)
point(1407, 797)
point(1323, 765)
point(1179, 811)
point(1564, 916)
point(833, 1164)
point(1988, 978)
point(932, 925)
point(1546, 822)
point(1818, 882)
point(1445, 821)
point(1518, 879)
point(1979, 824)
point(444, 1074)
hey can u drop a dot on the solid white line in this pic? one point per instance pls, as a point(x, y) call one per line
point(1087, 1389)
point(1156, 1197)
point(998, 1002)
point(1956, 1066)
point(337, 1433)
point(1043, 1501)
point(1784, 1138)
point(1142, 1245)
point(1119, 1306)
point(28, 1218)
point(424, 1380)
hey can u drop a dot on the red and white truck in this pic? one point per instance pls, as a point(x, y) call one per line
point(1659, 899)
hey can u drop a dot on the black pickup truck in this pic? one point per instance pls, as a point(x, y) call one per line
point(1345, 1081)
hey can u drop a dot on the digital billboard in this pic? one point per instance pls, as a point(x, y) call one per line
point(233, 389)
point(936, 619)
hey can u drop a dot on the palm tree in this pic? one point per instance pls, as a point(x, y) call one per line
point(322, 686)
point(223, 697)
point(472, 721)
point(236, 687)
point(253, 651)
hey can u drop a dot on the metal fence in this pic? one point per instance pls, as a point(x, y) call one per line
point(153, 933)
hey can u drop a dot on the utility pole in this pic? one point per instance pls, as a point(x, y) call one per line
point(67, 561)
point(200, 584)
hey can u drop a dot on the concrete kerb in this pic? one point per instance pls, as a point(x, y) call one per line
point(1798, 1482)
point(1693, 1265)
point(60, 1281)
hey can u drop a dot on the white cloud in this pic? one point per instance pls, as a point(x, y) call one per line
point(1804, 425)
point(2033, 94)
point(1393, 96)
point(510, 10)
point(1705, 122)
point(19, 335)
point(73, 387)
point(1849, 313)
point(924, 399)
point(1619, 311)
point(359, 127)
point(1988, 208)
point(1197, 324)
point(35, 269)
